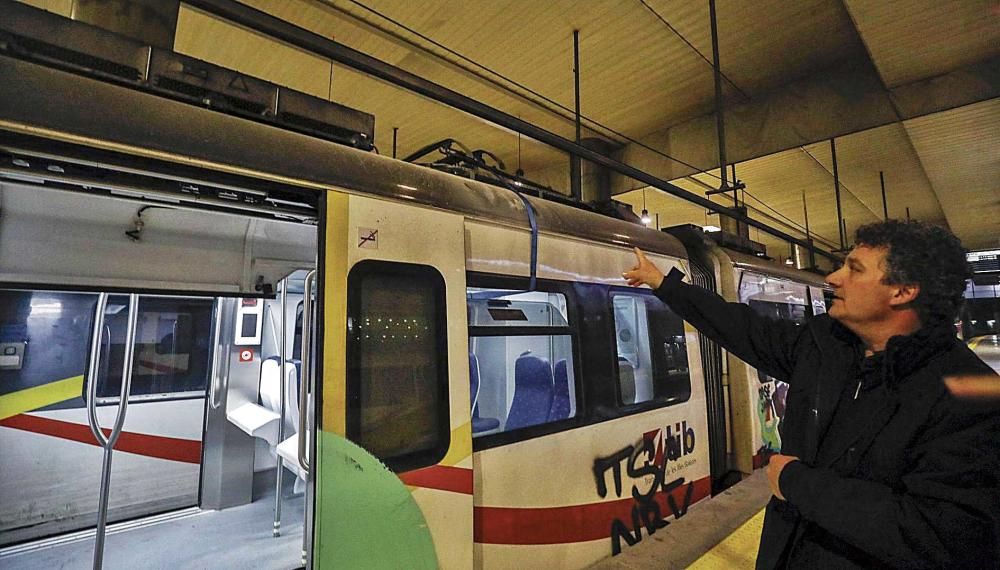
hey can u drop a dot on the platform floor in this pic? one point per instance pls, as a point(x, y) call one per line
point(721, 532)
point(238, 537)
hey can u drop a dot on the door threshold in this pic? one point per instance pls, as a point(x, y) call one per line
point(89, 534)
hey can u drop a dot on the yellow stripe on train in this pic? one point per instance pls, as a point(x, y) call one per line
point(40, 396)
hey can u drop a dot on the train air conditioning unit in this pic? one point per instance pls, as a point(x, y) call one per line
point(38, 36)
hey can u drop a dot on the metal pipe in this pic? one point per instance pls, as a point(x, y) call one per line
point(214, 393)
point(109, 443)
point(575, 175)
point(836, 189)
point(94, 366)
point(395, 132)
point(268, 25)
point(282, 358)
point(307, 366)
point(885, 205)
point(720, 119)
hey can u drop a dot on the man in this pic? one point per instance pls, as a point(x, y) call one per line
point(880, 465)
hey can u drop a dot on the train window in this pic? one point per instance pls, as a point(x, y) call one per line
point(817, 298)
point(171, 354)
point(652, 350)
point(44, 339)
point(397, 374)
point(520, 359)
point(775, 298)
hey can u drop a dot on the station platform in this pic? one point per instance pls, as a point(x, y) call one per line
point(721, 532)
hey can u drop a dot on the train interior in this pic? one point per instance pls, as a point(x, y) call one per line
point(520, 359)
point(177, 333)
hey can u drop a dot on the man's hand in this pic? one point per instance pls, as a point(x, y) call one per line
point(774, 467)
point(644, 272)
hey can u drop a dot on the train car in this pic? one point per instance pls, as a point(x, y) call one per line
point(226, 344)
point(980, 316)
point(473, 384)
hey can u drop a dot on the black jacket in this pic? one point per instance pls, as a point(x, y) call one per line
point(893, 472)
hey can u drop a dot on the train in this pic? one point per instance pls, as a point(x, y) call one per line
point(274, 325)
point(326, 357)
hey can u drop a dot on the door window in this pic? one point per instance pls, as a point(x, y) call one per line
point(397, 374)
point(172, 347)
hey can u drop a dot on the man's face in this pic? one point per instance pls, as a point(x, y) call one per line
point(860, 296)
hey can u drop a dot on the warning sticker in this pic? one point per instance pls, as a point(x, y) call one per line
point(368, 238)
point(246, 355)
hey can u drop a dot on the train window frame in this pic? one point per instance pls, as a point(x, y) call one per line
point(654, 403)
point(110, 400)
point(477, 280)
point(400, 270)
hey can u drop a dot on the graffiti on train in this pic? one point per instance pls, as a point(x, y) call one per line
point(659, 455)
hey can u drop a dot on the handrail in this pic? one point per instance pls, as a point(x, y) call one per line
point(214, 393)
point(92, 369)
point(307, 365)
point(282, 395)
point(108, 443)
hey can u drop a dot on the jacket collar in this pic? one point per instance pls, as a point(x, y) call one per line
point(903, 354)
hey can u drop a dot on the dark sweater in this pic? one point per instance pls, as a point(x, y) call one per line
point(903, 476)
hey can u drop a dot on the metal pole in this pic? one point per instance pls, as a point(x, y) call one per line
point(286, 32)
point(885, 205)
point(836, 189)
point(720, 120)
point(116, 431)
point(283, 359)
point(907, 213)
point(575, 174)
point(395, 131)
point(805, 214)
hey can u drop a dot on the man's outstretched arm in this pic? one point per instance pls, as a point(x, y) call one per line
point(764, 343)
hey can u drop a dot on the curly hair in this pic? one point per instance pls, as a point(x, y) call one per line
point(923, 254)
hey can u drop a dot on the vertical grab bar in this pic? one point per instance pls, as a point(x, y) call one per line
point(215, 393)
point(282, 388)
point(95, 363)
point(108, 443)
point(307, 369)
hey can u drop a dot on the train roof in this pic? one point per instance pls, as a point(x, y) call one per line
point(771, 267)
point(132, 122)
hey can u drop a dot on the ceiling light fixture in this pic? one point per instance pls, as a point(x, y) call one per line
point(645, 219)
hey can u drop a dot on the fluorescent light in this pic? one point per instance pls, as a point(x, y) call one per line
point(711, 228)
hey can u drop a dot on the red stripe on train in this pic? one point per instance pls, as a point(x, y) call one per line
point(161, 447)
point(443, 478)
point(577, 523)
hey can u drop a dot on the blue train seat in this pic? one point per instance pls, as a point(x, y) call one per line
point(532, 392)
point(560, 393)
point(478, 424)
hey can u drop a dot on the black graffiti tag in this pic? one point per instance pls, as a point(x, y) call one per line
point(640, 464)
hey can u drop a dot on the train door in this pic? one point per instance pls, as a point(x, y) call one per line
point(125, 344)
point(74, 351)
point(393, 465)
point(777, 299)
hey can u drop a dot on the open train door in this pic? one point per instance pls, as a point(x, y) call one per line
point(393, 467)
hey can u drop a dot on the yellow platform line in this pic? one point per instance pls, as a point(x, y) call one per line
point(738, 550)
point(40, 396)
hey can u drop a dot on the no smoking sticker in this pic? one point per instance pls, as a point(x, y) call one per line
point(246, 355)
point(368, 238)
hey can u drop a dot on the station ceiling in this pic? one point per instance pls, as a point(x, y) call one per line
point(909, 89)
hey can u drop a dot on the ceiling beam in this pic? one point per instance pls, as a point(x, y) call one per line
point(832, 103)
